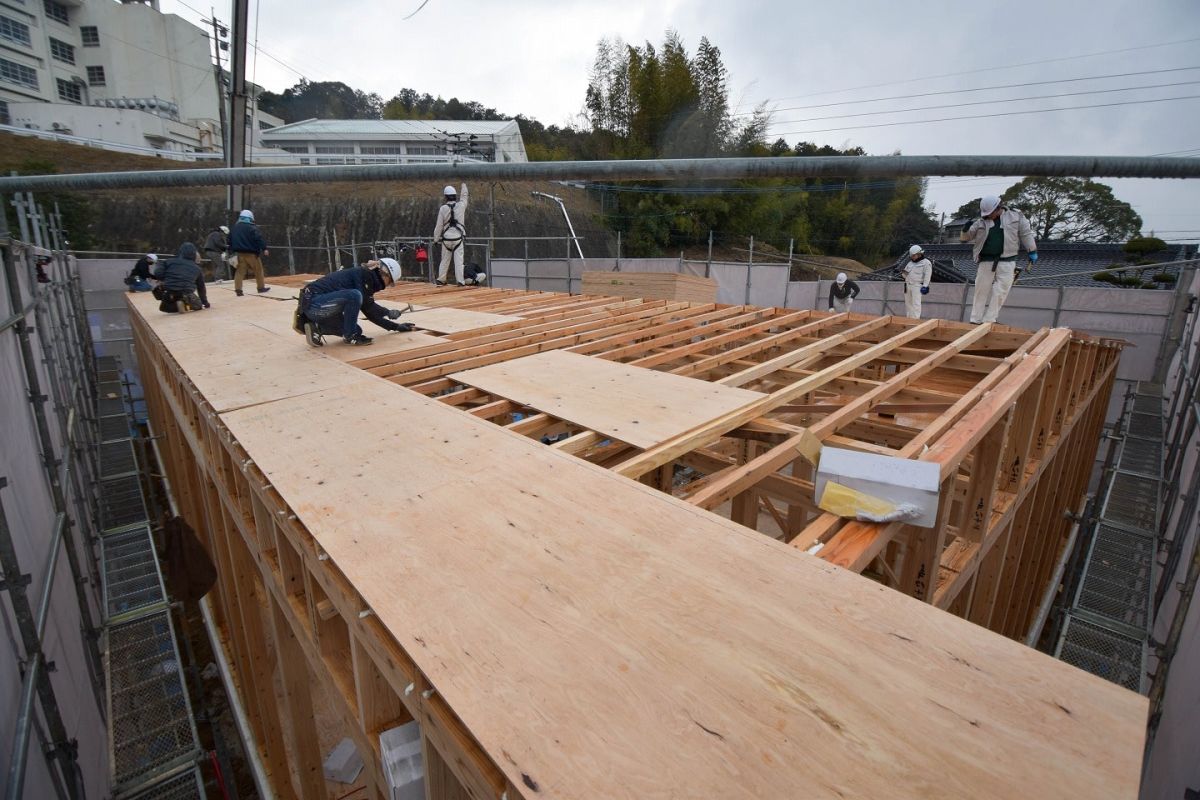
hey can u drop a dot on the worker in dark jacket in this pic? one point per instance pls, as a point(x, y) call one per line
point(248, 248)
point(182, 281)
point(842, 293)
point(216, 249)
point(330, 305)
point(138, 279)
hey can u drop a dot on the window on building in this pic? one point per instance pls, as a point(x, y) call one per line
point(294, 148)
point(4, 118)
point(13, 31)
point(89, 35)
point(62, 51)
point(21, 75)
point(57, 12)
point(95, 76)
point(381, 150)
point(426, 150)
point(334, 148)
point(70, 92)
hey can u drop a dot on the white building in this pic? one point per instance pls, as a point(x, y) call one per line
point(353, 141)
point(110, 71)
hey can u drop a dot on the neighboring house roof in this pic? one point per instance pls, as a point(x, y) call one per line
point(953, 263)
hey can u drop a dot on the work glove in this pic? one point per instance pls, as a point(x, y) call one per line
point(849, 301)
point(924, 290)
point(405, 327)
point(393, 313)
point(206, 304)
point(1033, 257)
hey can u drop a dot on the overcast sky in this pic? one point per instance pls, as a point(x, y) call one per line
point(532, 57)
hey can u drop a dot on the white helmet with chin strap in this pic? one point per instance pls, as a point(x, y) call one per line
point(449, 191)
point(391, 266)
point(916, 250)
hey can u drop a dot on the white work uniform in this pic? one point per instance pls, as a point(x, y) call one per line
point(452, 238)
point(917, 274)
point(994, 276)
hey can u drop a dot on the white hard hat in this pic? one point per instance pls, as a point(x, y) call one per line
point(841, 278)
point(988, 204)
point(225, 229)
point(246, 214)
point(152, 256)
point(392, 266)
point(916, 248)
point(449, 191)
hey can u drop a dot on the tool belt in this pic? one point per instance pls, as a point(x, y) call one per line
point(996, 261)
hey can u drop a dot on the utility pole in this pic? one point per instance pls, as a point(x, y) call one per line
point(219, 34)
point(235, 156)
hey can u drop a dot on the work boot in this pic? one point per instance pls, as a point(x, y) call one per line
point(358, 339)
point(264, 289)
point(439, 283)
point(193, 301)
point(238, 292)
point(313, 335)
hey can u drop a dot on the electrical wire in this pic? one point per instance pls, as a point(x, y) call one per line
point(997, 68)
point(990, 116)
point(989, 102)
point(985, 88)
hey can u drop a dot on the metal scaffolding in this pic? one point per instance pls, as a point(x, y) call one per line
point(54, 349)
point(1106, 629)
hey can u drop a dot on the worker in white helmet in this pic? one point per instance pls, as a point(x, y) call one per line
point(451, 233)
point(918, 272)
point(996, 239)
point(842, 293)
point(329, 306)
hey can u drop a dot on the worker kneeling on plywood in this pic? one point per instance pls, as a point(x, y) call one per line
point(330, 305)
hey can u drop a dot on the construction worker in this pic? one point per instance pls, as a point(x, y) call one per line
point(842, 293)
point(248, 248)
point(216, 249)
point(330, 305)
point(451, 233)
point(138, 279)
point(995, 239)
point(918, 272)
point(182, 281)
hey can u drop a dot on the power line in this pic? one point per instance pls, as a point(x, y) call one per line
point(993, 68)
point(989, 116)
point(980, 89)
point(989, 102)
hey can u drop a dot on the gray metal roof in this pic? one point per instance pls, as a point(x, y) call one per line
point(1058, 262)
point(392, 128)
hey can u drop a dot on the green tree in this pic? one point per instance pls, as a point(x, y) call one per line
point(321, 100)
point(1069, 210)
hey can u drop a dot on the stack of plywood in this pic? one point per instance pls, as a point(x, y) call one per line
point(651, 285)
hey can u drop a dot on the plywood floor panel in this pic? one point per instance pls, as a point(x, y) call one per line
point(600, 639)
point(635, 405)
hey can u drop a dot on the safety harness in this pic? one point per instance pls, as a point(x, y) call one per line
point(453, 243)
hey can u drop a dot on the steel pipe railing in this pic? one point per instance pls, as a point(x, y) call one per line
point(650, 169)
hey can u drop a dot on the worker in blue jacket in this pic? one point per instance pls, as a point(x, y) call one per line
point(331, 305)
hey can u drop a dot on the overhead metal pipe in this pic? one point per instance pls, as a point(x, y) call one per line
point(654, 169)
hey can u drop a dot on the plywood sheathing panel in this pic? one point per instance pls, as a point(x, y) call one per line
point(454, 320)
point(635, 405)
point(610, 641)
